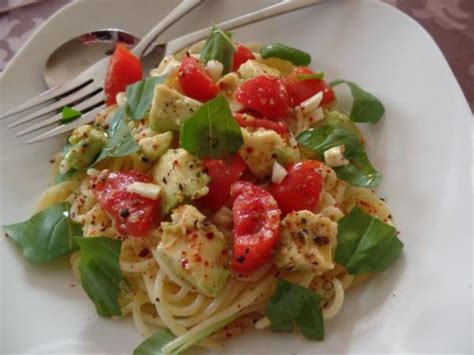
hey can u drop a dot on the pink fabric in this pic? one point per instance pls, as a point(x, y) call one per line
point(450, 23)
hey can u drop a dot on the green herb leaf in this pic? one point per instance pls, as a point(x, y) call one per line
point(292, 305)
point(359, 171)
point(366, 244)
point(311, 76)
point(366, 107)
point(293, 55)
point(211, 131)
point(219, 46)
point(140, 96)
point(101, 276)
point(47, 235)
point(121, 141)
point(154, 344)
point(69, 114)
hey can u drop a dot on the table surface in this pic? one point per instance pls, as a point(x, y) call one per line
point(450, 23)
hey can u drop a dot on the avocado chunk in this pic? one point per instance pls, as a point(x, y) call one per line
point(170, 109)
point(306, 242)
point(195, 250)
point(262, 147)
point(86, 143)
point(155, 146)
point(252, 68)
point(181, 177)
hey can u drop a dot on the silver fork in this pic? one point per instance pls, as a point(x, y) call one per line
point(168, 48)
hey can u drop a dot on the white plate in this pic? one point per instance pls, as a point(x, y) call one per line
point(422, 147)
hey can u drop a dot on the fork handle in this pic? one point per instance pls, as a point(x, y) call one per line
point(179, 11)
point(274, 10)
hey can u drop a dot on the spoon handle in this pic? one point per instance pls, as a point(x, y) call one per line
point(274, 10)
point(179, 11)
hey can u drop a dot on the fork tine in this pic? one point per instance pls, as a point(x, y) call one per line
point(68, 100)
point(86, 118)
point(47, 95)
point(88, 104)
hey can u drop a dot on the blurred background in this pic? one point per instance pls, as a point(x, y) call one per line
point(449, 22)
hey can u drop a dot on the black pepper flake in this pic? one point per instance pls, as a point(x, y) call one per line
point(157, 299)
point(321, 240)
point(206, 223)
point(240, 259)
point(164, 180)
point(124, 213)
point(144, 159)
point(304, 220)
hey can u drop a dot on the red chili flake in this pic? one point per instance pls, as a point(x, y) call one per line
point(144, 253)
point(249, 150)
point(320, 241)
point(184, 263)
point(209, 235)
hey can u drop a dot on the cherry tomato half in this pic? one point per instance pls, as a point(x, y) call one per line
point(265, 94)
point(256, 226)
point(241, 55)
point(223, 174)
point(301, 188)
point(132, 213)
point(302, 89)
point(124, 69)
point(195, 81)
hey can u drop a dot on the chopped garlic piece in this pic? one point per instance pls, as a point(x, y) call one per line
point(334, 157)
point(312, 103)
point(215, 69)
point(93, 172)
point(121, 99)
point(148, 190)
point(278, 173)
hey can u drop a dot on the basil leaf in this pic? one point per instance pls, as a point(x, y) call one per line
point(101, 276)
point(211, 131)
point(311, 76)
point(140, 96)
point(366, 107)
point(71, 174)
point(359, 171)
point(219, 46)
point(121, 141)
point(293, 55)
point(47, 235)
point(69, 114)
point(366, 244)
point(326, 136)
point(292, 305)
point(154, 344)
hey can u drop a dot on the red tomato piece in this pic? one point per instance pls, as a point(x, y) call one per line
point(300, 90)
point(223, 174)
point(301, 188)
point(256, 226)
point(124, 69)
point(265, 94)
point(241, 55)
point(195, 81)
point(250, 121)
point(132, 213)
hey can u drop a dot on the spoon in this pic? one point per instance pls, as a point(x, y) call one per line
point(76, 55)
